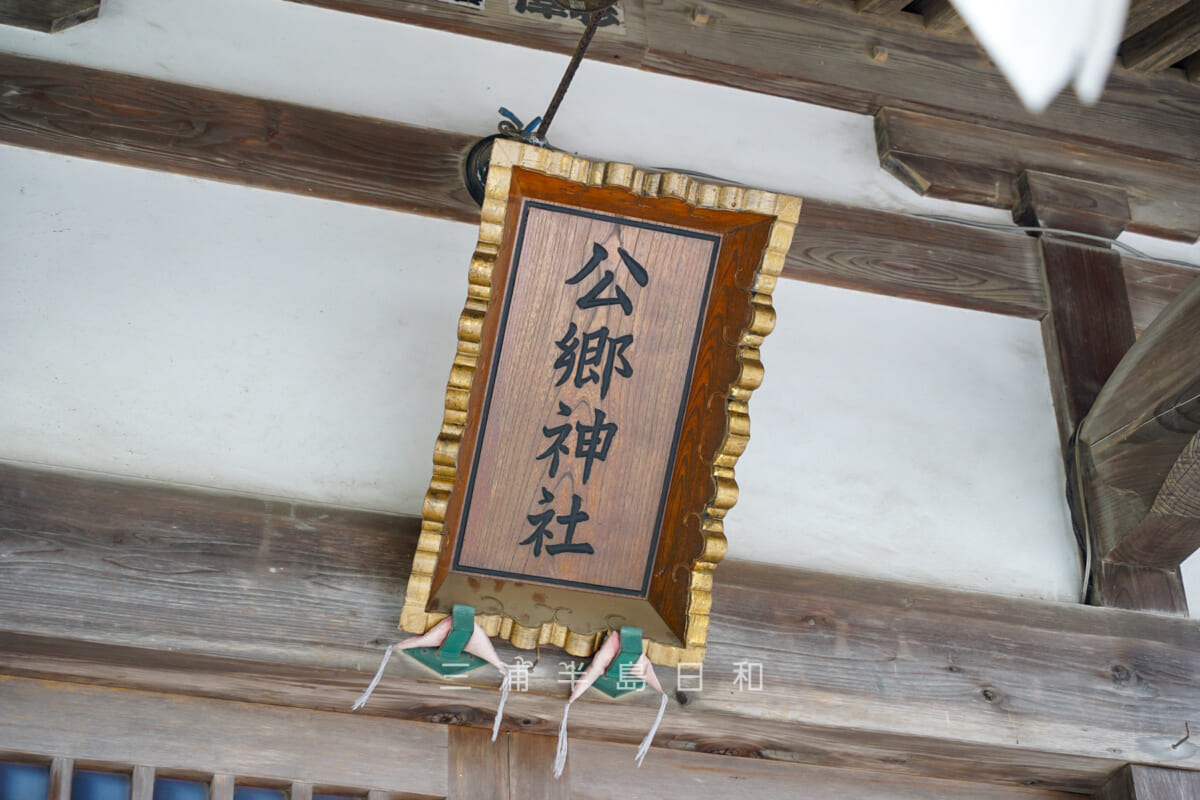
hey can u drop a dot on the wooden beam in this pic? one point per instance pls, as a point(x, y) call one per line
point(1165, 42)
point(1138, 445)
point(247, 600)
point(221, 737)
point(941, 16)
point(880, 6)
point(1144, 13)
point(1089, 327)
point(477, 767)
point(597, 771)
point(1047, 200)
point(136, 121)
point(146, 123)
point(1136, 782)
point(824, 56)
point(48, 16)
point(945, 158)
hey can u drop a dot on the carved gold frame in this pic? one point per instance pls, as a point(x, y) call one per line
point(506, 154)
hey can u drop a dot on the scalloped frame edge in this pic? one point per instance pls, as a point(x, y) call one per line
point(507, 154)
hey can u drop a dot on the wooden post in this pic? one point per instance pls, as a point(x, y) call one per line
point(1135, 782)
point(143, 784)
point(61, 770)
point(1087, 332)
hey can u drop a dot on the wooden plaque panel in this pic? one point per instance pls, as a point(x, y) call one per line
point(598, 402)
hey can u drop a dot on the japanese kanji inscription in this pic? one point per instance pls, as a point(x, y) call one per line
point(598, 402)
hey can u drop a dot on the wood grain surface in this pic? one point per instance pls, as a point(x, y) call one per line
point(1137, 782)
point(1138, 443)
point(821, 52)
point(740, 253)
point(93, 724)
point(135, 121)
point(630, 422)
point(238, 599)
point(939, 156)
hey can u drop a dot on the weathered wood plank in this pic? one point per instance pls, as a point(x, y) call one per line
point(941, 16)
point(1152, 286)
point(477, 767)
point(1089, 327)
point(264, 143)
point(941, 157)
point(605, 772)
point(142, 785)
point(496, 22)
point(220, 737)
point(61, 769)
point(1047, 200)
point(824, 56)
point(48, 16)
point(1166, 41)
point(920, 259)
point(1136, 782)
point(108, 582)
point(531, 769)
point(880, 6)
point(1170, 531)
point(1139, 429)
point(221, 787)
point(1144, 13)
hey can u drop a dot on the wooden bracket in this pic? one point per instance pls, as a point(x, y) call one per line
point(48, 16)
point(1047, 200)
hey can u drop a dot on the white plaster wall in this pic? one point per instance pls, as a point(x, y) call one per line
point(187, 331)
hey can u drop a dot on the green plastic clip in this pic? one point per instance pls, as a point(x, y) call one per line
point(449, 659)
point(615, 684)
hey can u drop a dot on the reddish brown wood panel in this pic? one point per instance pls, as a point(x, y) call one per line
point(580, 419)
point(672, 508)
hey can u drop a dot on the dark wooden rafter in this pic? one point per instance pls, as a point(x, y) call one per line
point(1144, 13)
point(880, 6)
point(48, 16)
point(954, 160)
point(109, 582)
point(940, 16)
point(1089, 336)
point(1165, 42)
point(269, 144)
point(235, 742)
point(826, 54)
point(1139, 448)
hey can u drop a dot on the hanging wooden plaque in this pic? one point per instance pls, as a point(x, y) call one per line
point(598, 402)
